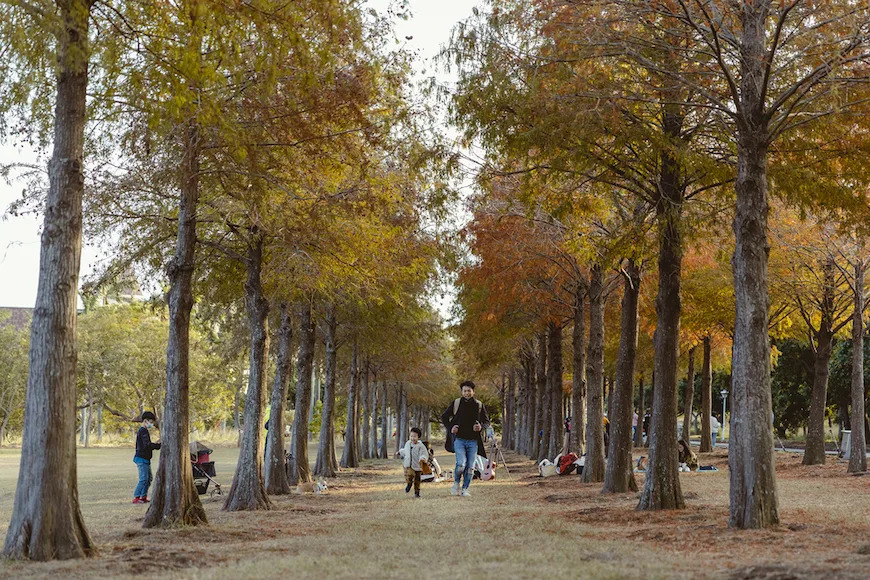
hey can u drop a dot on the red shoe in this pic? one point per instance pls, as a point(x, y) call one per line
point(137, 500)
point(144, 499)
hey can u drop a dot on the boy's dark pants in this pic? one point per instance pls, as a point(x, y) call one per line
point(412, 476)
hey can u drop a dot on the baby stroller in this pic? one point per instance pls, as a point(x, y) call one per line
point(203, 469)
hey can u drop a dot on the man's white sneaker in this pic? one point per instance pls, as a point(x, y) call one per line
point(465, 493)
point(455, 489)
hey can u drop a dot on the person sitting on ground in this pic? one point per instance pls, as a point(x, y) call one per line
point(413, 454)
point(687, 457)
point(142, 457)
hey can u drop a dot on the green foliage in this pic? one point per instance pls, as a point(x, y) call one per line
point(840, 379)
point(14, 347)
point(791, 385)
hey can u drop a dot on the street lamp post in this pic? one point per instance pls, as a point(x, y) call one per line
point(724, 394)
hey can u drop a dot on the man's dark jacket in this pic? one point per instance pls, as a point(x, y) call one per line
point(470, 410)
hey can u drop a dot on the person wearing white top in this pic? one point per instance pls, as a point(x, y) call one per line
point(413, 454)
point(714, 427)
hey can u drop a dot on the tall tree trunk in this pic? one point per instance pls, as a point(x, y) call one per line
point(46, 519)
point(578, 381)
point(325, 463)
point(175, 500)
point(248, 491)
point(507, 431)
point(619, 477)
point(373, 439)
point(385, 428)
point(593, 471)
point(274, 469)
point(814, 454)
point(532, 423)
point(349, 457)
point(554, 376)
point(301, 471)
point(641, 411)
point(661, 489)
point(544, 401)
point(858, 456)
point(707, 399)
point(689, 396)
point(750, 448)
point(365, 411)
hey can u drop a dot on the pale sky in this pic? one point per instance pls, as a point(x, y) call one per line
point(430, 26)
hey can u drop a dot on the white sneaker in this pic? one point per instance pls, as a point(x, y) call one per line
point(465, 493)
point(455, 489)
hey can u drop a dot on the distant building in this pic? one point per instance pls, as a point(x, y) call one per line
point(15, 316)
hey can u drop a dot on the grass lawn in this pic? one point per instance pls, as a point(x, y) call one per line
point(366, 527)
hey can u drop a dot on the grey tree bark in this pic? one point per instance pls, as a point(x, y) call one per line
point(301, 471)
point(707, 399)
point(510, 410)
point(373, 417)
point(385, 428)
point(593, 471)
point(325, 463)
point(543, 433)
point(274, 468)
point(46, 519)
point(661, 488)
point(532, 418)
point(858, 455)
point(822, 345)
point(365, 411)
point(689, 396)
point(349, 457)
point(578, 380)
point(619, 477)
point(554, 378)
point(248, 491)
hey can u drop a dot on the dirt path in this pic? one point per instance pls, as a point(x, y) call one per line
point(365, 526)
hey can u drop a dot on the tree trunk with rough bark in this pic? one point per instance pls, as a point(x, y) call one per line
point(385, 428)
point(349, 457)
point(814, 453)
point(593, 471)
point(619, 477)
point(274, 468)
point(638, 433)
point(858, 455)
point(661, 488)
point(301, 471)
point(373, 433)
point(544, 401)
point(750, 447)
point(707, 399)
point(578, 380)
point(510, 410)
point(689, 396)
point(248, 491)
point(554, 377)
point(325, 463)
point(532, 418)
point(365, 411)
point(46, 519)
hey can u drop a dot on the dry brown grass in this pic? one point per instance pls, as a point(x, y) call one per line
point(366, 527)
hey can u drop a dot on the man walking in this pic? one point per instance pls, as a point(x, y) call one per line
point(464, 419)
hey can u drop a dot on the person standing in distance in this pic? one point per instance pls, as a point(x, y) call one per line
point(464, 419)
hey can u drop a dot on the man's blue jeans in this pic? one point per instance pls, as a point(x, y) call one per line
point(466, 452)
point(144, 477)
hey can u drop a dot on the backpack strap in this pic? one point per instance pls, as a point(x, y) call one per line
point(456, 406)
